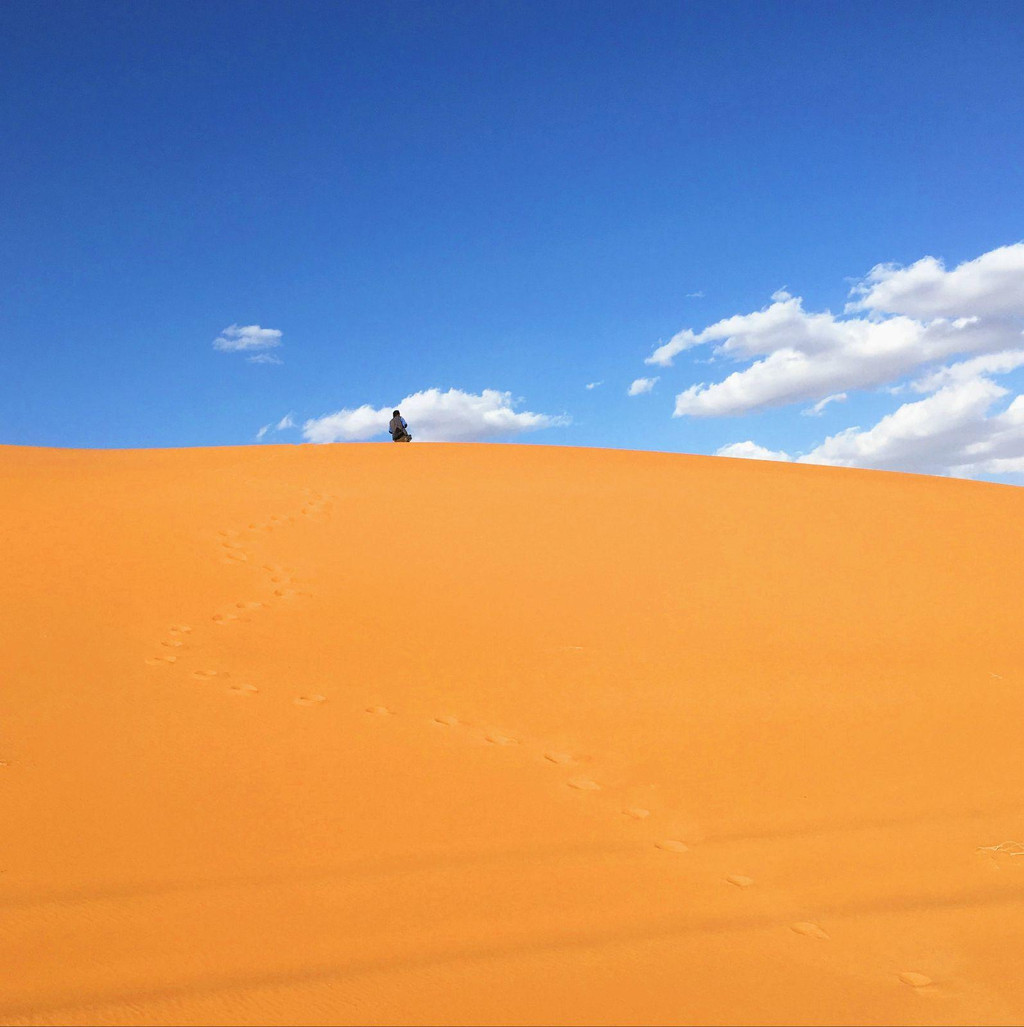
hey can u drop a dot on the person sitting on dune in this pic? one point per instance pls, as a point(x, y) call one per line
point(399, 429)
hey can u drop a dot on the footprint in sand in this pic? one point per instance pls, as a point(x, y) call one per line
point(206, 674)
point(228, 533)
point(157, 661)
point(583, 784)
point(636, 813)
point(248, 606)
point(1003, 849)
point(558, 757)
point(672, 845)
point(172, 643)
point(237, 555)
point(223, 618)
point(809, 930)
point(497, 739)
point(915, 980)
point(284, 593)
point(740, 880)
point(310, 700)
point(446, 720)
point(180, 629)
point(243, 689)
point(380, 711)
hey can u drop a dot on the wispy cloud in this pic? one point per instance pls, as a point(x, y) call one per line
point(816, 410)
point(435, 416)
point(593, 385)
point(695, 295)
point(264, 358)
point(640, 386)
point(284, 423)
point(236, 338)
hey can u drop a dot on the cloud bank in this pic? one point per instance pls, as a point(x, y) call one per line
point(955, 329)
point(952, 432)
point(435, 416)
point(902, 320)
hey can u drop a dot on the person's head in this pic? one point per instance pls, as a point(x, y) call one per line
point(396, 414)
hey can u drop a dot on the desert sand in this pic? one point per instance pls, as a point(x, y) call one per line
point(506, 734)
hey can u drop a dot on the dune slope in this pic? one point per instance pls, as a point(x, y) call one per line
point(506, 734)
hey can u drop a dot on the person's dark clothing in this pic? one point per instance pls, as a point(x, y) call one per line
point(399, 430)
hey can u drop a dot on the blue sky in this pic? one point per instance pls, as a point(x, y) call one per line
point(512, 198)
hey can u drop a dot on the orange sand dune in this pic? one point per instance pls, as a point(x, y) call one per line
point(503, 734)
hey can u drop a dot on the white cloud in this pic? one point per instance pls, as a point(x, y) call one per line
point(285, 422)
point(816, 410)
point(1003, 465)
point(810, 356)
point(801, 355)
point(991, 285)
point(264, 358)
point(434, 416)
point(951, 432)
point(900, 321)
point(593, 385)
point(640, 386)
point(247, 337)
point(751, 451)
point(695, 295)
point(686, 339)
point(990, 363)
